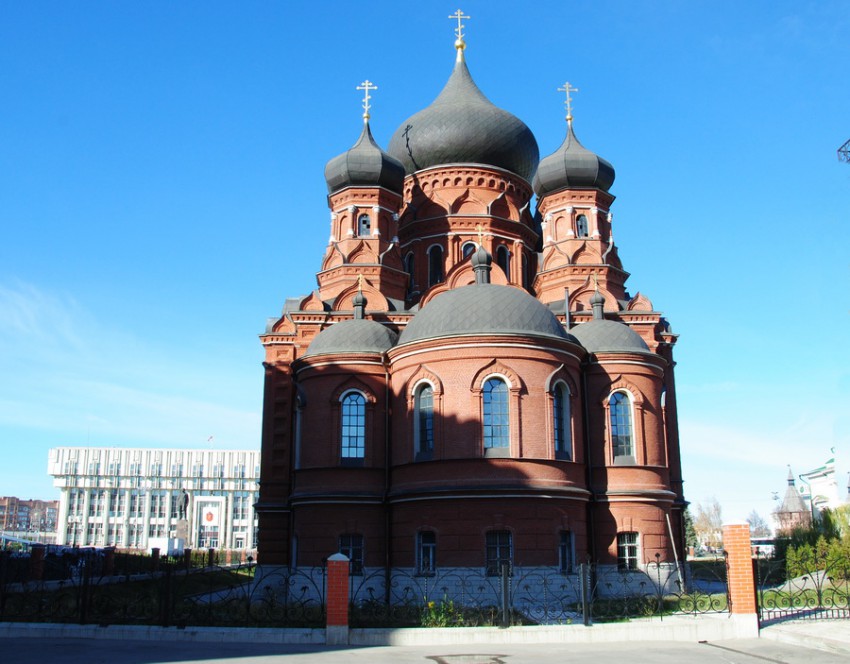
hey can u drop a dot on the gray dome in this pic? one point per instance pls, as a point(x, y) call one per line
point(572, 165)
point(353, 336)
point(462, 126)
point(365, 165)
point(483, 309)
point(600, 336)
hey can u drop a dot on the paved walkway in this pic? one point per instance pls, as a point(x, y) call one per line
point(102, 651)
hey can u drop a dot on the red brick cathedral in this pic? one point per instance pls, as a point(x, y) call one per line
point(471, 384)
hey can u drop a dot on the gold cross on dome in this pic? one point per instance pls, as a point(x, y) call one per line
point(459, 29)
point(360, 281)
point(366, 86)
point(567, 89)
point(480, 230)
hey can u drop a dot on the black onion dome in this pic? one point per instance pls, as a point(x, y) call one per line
point(572, 165)
point(364, 165)
point(353, 336)
point(480, 309)
point(462, 126)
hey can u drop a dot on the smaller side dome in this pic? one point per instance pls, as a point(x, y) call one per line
point(572, 165)
point(365, 165)
point(353, 336)
point(608, 336)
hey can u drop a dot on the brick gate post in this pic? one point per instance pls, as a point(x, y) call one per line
point(336, 630)
point(742, 585)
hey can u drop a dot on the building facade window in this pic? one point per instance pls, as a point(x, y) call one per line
point(627, 551)
point(353, 427)
point(622, 436)
point(468, 249)
point(500, 551)
point(351, 546)
point(526, 274)
point(426, 553)
point(581, 226)
point(435, 265)
point(364, 226)
point(496, 415)
point(424, 424)
point(503, 260)
point(562, 422)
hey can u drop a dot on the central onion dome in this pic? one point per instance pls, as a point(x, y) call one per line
point(462, 126)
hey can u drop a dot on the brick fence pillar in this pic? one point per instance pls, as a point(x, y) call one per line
point(336, 630)
point(740, 578)
point(36, 562)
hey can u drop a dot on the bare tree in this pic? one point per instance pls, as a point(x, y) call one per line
point(758, 526)
point(708, 522)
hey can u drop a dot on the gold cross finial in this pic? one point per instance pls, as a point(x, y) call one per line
point(366, 86)
point(459, 43)
point(360, 281)
point(567, 89)
point(480, 230)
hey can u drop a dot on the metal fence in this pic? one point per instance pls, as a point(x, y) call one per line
point(810, 583)
point(178, 594)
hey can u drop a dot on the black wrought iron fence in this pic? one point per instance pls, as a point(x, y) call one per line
point(809, 583)
point(538, 595)
point(239, 595)
point(78, 589)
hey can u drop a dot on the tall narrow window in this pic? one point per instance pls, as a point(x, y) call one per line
point(435, 265)
point(496, 418)
point(627, 551)
point(424, 427)
point(581, 226)
point(503, 260)
point(410, 268)
point(364, 225)
point(468, 248)
point(353, 427)
point(620, 409)
point(351, 546)
point(562, 424)
point(426, 553)
point(526, 276)
point(565, 552)
point(499, 551)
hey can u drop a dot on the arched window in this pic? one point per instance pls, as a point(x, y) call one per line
point(364, 225)
point(503, 260)
point(410, 268)
point(435, 265)
point(561, 421)
point(424, 425)
point(496, 415)
point(468, 249)
point(581, 226)
point(622, 438)
point(353, 446)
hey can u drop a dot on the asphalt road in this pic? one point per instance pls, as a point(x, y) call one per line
point(102, 651)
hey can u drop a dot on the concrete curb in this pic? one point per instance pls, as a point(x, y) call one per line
point(817, 635)
point(679, 628)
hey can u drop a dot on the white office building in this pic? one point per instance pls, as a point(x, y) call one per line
point(126, 497)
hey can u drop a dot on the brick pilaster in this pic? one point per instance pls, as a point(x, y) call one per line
point(336, 630)
point(742, 587)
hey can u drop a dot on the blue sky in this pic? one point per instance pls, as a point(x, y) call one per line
point(162, 194)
